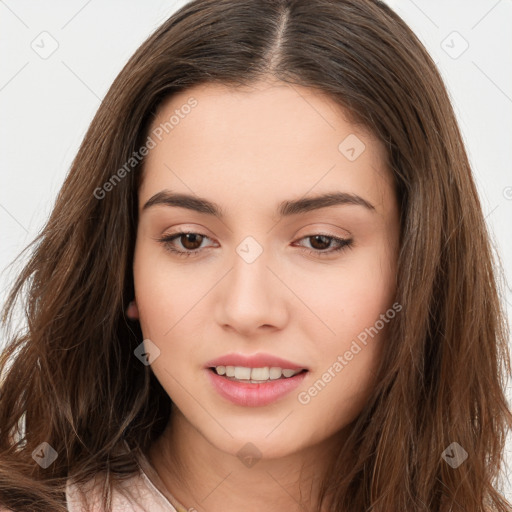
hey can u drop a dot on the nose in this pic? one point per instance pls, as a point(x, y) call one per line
point(251, 298)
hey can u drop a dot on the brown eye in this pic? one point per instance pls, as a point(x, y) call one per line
point(322, 245)
point(191, 241)
point(321, 242)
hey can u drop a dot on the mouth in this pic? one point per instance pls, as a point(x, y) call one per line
point(254, 387)
point(255, 375)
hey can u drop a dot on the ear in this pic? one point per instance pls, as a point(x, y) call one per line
point(132, 311)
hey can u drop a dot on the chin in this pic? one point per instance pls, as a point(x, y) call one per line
point(248, 445)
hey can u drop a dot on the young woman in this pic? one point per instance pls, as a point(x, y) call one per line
point(266, 283)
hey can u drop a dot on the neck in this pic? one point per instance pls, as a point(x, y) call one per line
point(202, 477)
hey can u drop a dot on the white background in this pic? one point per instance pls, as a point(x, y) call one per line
point(46, 104)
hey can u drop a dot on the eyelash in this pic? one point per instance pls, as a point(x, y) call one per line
point(344, 243)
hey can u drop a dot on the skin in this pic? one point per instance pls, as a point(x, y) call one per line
point(247, 150)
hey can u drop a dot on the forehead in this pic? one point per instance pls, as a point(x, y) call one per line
point(263, 109)
point(269, 139)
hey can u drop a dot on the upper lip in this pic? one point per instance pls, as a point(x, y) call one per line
point(254, 361)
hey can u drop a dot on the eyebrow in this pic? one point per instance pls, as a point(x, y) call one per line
point(285, 208)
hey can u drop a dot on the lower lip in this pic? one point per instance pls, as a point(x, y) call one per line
point(254, 395)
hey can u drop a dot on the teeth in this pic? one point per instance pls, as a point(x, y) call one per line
point(242, 373)
point(255, 374)
point(275, 373)
point(260, 373)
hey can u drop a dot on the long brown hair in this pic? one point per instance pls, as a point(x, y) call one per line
point(70, 377)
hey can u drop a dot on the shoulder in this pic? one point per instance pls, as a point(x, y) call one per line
point(85, 497)
point(130, 495)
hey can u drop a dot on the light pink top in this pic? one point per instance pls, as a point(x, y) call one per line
point(141, 493)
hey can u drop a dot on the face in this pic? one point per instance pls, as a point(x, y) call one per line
point(269, 268)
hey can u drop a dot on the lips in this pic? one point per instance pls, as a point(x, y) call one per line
point(254, 361)
point(256, 380)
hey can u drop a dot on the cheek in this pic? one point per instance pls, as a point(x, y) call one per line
point(169, 302)
point(349, 298)
point(167, 308)
point(356, 304)
point(338, 396)
point(159, 291)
